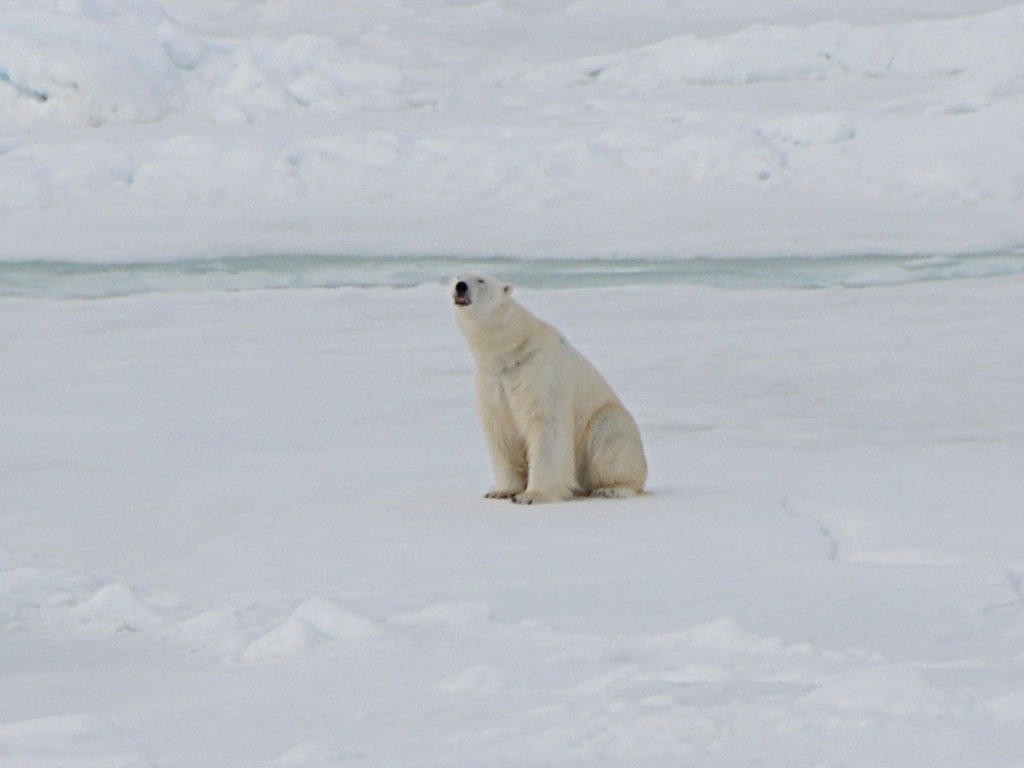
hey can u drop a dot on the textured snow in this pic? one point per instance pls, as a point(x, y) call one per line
point(185, 129)
point(257, 518)
point(244, 527)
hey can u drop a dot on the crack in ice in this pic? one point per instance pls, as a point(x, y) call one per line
point(1015, 581)
point(834, 544)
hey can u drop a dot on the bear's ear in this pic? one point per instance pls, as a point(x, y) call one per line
point(507, 290)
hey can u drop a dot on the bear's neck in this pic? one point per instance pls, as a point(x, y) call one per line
point(507, 337)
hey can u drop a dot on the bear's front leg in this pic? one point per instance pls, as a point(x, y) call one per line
point(508, 459)
point(506, 447)
point(552, 463)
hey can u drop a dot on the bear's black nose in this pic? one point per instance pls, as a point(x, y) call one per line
point(461, 288)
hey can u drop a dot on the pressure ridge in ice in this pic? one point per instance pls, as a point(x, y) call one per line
point(105, 60)
point(574, 129)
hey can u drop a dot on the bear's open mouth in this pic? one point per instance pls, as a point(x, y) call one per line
point(462, 301)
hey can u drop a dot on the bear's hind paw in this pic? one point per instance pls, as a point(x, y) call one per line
point(614, 492)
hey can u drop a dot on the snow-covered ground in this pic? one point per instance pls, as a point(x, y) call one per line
point(246, 529)
point(135, 130)
point(243, 527)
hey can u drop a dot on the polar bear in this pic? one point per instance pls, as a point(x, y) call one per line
point(553, 426)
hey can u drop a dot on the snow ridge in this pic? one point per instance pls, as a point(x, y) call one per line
point(363, 129)
point(989, 42)
point(103, 61)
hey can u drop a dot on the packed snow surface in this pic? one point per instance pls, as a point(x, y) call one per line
point(244, 527)
point(247, 529)
point(140, 130)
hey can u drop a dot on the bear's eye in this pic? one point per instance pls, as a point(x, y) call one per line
point(480, 280)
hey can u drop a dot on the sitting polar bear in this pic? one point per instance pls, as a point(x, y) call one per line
point(553, 426)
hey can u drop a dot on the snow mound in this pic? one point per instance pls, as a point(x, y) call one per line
point(96, 62)
point(39, 732)
point(462, 616)
point(215, 630)
point(123, 61)
point(483, 678)
point(70, 741)
point(115, 608)
point(888, 690)
point(316, 622)
point(310, 752)
point(811, 129)
point(727, 634)
point(366, 128)
point(779, 53)
point(302, 70)
point(1008, 707)
point(699, 673)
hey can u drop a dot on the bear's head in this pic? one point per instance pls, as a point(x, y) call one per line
point(479, 294)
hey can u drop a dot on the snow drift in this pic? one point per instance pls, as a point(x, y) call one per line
point(179, 130)
point(94, 62)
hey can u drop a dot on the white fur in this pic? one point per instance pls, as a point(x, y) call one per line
point(553, 426)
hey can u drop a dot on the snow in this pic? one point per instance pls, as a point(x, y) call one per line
point(241, 476)
point(157, 131)
point(221, 520)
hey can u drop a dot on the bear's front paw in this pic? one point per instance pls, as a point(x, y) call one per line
point(500, 493)
point(540, 497)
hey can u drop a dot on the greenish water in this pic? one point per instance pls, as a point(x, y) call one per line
point(46, 279)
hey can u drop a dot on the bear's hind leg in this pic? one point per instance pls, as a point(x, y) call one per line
point(613, 464)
